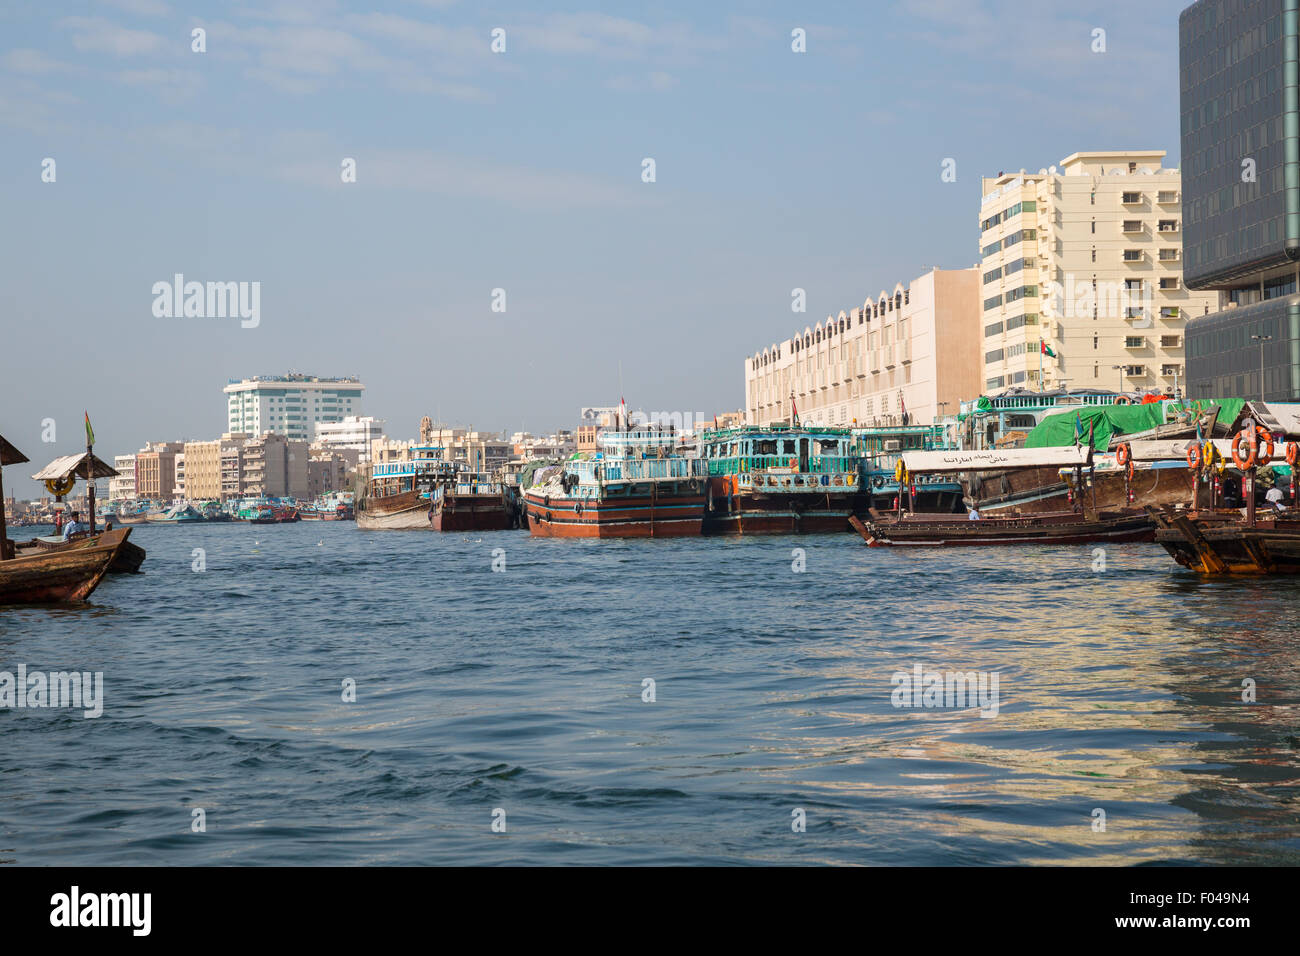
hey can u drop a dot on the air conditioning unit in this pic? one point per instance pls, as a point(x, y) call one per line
point(893, 445)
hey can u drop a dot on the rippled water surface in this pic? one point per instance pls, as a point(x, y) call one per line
point(522, 690)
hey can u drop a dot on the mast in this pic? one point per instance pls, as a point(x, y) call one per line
point(4, 533)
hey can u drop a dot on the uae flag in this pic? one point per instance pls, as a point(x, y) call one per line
point(1045, 349)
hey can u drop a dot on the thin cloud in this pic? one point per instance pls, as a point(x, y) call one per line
point(95, 34)
point(32, 62)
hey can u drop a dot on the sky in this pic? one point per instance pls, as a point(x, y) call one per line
point(521, 170)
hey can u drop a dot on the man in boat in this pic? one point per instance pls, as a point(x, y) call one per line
point(1274, 498)
point(74, 526)
point(974, 514)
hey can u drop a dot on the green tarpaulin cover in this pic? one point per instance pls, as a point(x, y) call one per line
point(1110, 420)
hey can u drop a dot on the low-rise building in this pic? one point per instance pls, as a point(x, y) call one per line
point(155, 470)
point(909, 354)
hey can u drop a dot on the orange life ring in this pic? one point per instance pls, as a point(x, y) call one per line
point(1257, 455)
point(1123, 454)
point(1292, 453)
point(1194, 457)
point(1123, 400)
point(1129, 472)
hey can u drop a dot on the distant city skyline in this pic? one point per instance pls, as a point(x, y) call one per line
point(507, 180)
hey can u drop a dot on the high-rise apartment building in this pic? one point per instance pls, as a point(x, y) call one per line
point(912, 350)
point(1240, 103)
point(290, 405)
point(1082, 276)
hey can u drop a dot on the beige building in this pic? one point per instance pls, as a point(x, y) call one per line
point(155, 470)
point(204, 467)
point(329, 470)
point(912, 349)
point(275, 467)
point(1087, 261)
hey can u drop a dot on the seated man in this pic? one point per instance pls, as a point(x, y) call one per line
point(974, 514)
point(74, 526)
point(1274, 497)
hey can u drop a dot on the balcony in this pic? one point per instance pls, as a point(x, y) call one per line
point(1167, 197)
point(1134, 255)
point(1167, 226)
point(1169, 255)
point(875, 361)
point(1135, 342)
point(1132, 226)
point(1131, 199)
point(890, 358)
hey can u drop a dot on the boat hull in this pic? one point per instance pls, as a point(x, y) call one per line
point(1042, 491)
point(1037, 529)
point(66, 574)
point(1223, 544)
point(129, 557)
point(645, 516)
point(456, 512)
point(401, 512)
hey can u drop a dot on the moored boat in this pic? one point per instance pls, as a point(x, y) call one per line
point(636, 488)
point(468, 501)
point(397, 495)
point(1078, 526)
point(780, 479)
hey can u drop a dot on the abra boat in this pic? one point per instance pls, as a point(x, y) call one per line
point(67, 574)
point(780, 479)
point(130, 556)
point(63, 574)
point(635, 488)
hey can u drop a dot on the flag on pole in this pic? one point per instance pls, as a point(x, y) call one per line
point(794, 411)
point(90, 432)
point(1078, 428)
point(715, 423)
point(1045, 349)
point(902, 405)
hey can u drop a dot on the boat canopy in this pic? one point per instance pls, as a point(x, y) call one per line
point(75, 466)
point(1165, 449)
point(1278, 417)
point(9, 455)
point(1068, 456)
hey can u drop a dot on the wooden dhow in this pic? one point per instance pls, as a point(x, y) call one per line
point(637, 487)
point(1080, 525)
point(68, 574)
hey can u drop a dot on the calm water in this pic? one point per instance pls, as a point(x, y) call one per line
point(522, 690)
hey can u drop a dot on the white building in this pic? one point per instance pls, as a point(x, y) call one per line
point(352, 432)
point(290, 405)
point(122, 488)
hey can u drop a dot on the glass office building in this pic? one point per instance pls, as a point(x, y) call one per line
point(1240, 121)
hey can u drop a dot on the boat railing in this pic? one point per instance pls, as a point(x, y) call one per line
point(637, 469)
point(816, 464)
